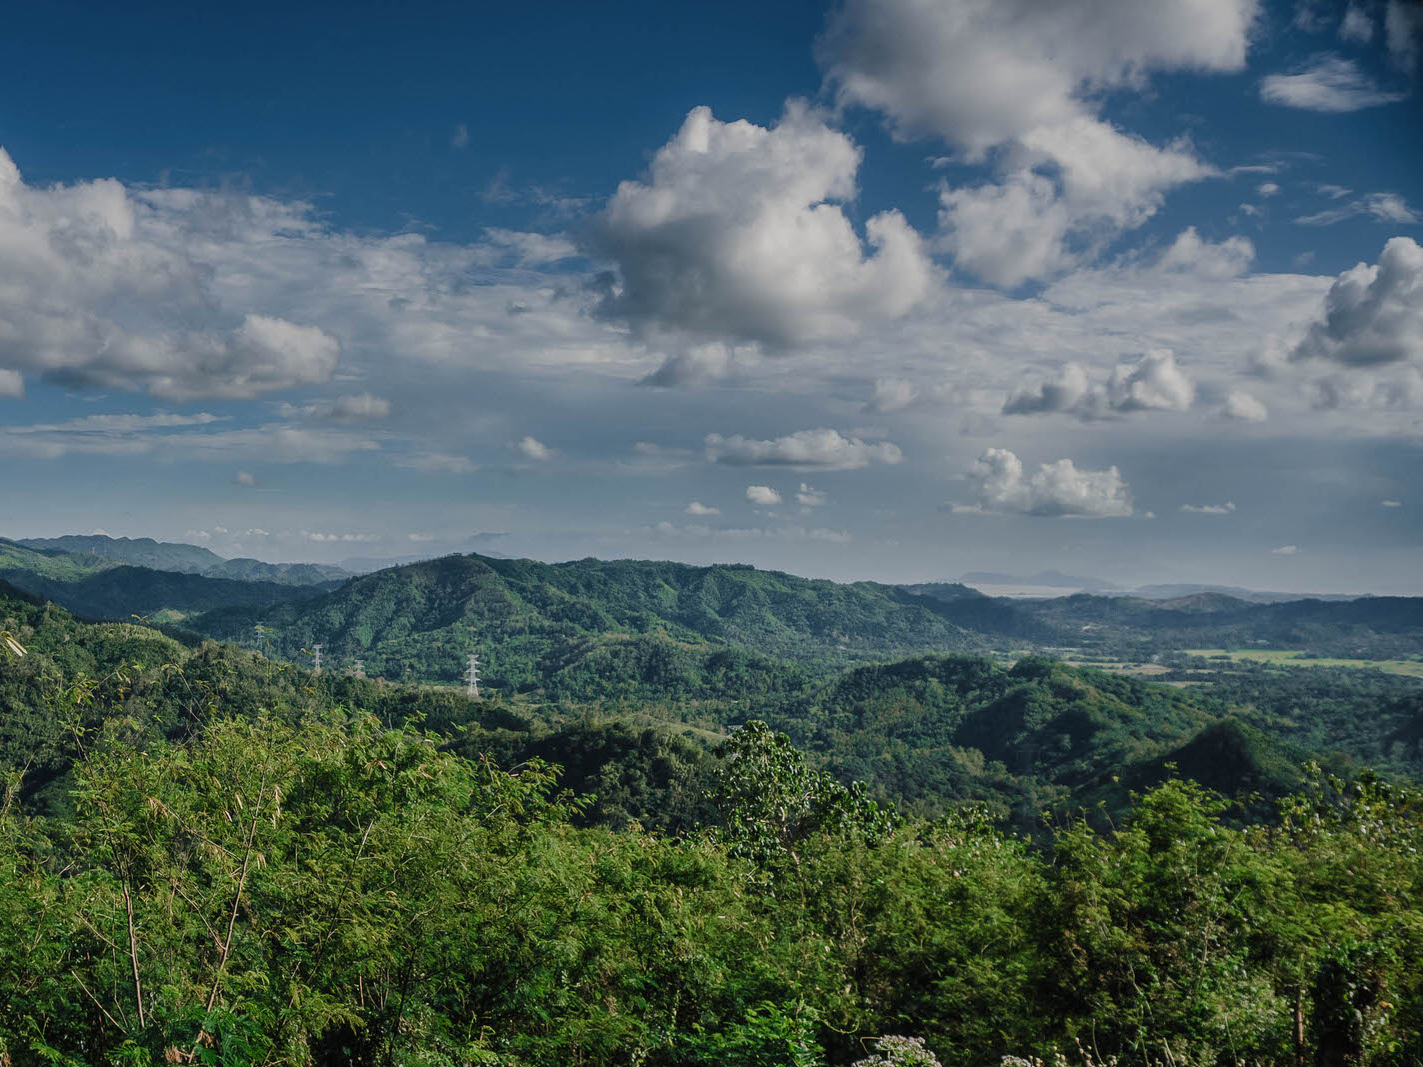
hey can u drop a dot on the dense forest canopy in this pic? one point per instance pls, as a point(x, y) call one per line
point(708, 816)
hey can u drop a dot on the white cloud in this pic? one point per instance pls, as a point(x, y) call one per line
point(737, 233)
point(532, 448)
point(1057, 489)
point(1209, 509)
point(12, 383)
point(1071, 392)
point(808, 498)
point(532, 249)
point(1356, 26)
point(246, 479)
point(98, 289)
point(198, 535)
point(1285, 550)
point(743, 534)
point(323, 538)
point(1391, 503)
point(1028, 78)
point(434, 462)
point(359, 406)
point(1372, 315)
point(979, 74)
point(1153, 383)
point(174, 436)
point(763, 496)
point(695, 365)
point(1330, 84)
point(1384, 207)
point(1190, 254)
point(1034, 224)
point(806, 448)
point(460, 138)
point(700, 510)
point(352, 408)
point(1267, 188)
point(420, 538)
point(891, 395)
point(1243, 407)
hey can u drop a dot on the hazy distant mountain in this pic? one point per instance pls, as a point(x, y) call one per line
point(141, 551)
point(185, 559)
point(100, 587)
point(1050, 579)
point(1173, 592)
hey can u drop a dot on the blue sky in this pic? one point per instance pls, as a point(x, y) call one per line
point(883, 289)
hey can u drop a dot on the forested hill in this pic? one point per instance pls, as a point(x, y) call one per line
point(534, 623)
point(100, 549)
point(530, 620)
point(210, 857)
point(930, 733)
point(98, 588)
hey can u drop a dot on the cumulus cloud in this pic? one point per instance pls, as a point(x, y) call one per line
point(696, 365)
point(808, 498)
point(532, 448)
point(1391, 503)
point(246, 479)
point(97, 290)
point(1056, 489)
point(1243, 407)
point(1330, 84)
point(738, 232)
point(12, 383)
point(763, 496)
point(1153, 383)
point(891, 395)
point(700, 510)
point(1027, 79)
point(825, 448)
point(1267, 188)
point(1190, 254)
point(1372, 314)
point(1077, 187)
point(1209, 509)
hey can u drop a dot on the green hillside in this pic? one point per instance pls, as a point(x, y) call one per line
point(185, 559)
point(97, 587)
point(532, 621)
point(203, 849)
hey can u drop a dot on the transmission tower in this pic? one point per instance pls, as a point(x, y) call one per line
point(316, 655)
point(471, 675)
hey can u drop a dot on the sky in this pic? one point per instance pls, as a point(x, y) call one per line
point(887, 289)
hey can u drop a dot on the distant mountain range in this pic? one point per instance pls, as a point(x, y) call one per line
point(996, 583)
point(637, 627)
point(185, 559)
